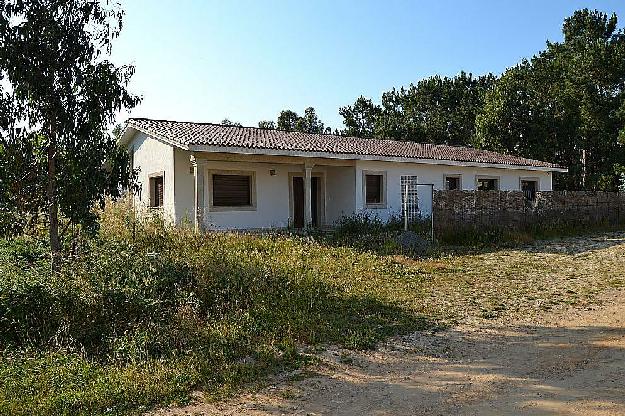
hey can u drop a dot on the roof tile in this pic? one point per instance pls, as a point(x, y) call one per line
point(188, 134)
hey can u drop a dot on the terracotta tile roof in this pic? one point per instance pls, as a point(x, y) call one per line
point(190, 135)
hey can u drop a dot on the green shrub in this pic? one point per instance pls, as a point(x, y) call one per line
point(143, 299)
point(365, 231)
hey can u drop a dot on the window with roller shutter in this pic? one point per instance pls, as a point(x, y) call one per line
point(232, 190)
point(157, 191)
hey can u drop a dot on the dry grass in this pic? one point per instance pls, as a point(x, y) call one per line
point(218, 311)
point(513, 283)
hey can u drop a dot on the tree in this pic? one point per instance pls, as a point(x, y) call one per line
point(227, 122)
point(436, 110)
point(267, 125)
point(308, 123)
point(566, 104)
point(360, 118)
point(60, 94)
point(287, 120)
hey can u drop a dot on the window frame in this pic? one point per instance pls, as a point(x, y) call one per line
point(250, 173)
point(152, 177)
point(497, 180)
point(383, 191)
point(534, 179)
point(456, 176)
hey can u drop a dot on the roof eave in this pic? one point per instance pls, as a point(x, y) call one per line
point(348, 156)
point(132, 129)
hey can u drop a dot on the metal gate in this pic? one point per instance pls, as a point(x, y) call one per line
point(409, 198)
point(417, 203)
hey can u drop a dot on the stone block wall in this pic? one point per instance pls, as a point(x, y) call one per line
point(511, 209)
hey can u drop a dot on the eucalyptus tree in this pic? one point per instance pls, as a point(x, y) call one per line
point(60, 94)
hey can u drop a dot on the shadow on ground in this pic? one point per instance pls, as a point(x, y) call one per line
point(573, 365)
point(518, 370)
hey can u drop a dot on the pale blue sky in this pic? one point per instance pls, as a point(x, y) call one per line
point(200, 60)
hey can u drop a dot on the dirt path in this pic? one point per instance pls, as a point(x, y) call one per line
point(569, 362)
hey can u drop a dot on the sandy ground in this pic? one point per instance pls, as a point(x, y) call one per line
point(570, 362)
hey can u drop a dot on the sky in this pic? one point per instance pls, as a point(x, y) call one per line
point(246, 60)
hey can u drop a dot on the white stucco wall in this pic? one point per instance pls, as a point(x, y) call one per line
point(340, 191)
point(509, 179)
point(184, 186)
point(272, 194)
point(151, 156)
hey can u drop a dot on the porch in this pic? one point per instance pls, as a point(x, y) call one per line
point(261, 191)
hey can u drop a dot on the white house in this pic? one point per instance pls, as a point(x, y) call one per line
point(228, 177)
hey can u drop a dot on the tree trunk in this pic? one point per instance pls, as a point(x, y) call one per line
point(53, 205)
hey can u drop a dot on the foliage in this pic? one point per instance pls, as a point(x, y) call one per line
point(59, 95)
point(267, 125)
point(168, 307)
point(227, 122)
point(289, 120)
point(437, 110)
point(565, 104)
point(364, 231)
point(142, 314)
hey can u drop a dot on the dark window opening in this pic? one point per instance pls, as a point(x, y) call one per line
point(452, 183)
point(487, 184)
point(156, 191)
point(232, 190)
point(529, 189)
point(373, 189)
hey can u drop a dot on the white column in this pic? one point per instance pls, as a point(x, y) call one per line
point(198, 200)
point(307, 195)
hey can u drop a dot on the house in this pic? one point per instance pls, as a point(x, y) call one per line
point(228, 177)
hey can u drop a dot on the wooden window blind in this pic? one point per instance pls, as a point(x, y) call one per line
point(156, 191)
point(232, 190)
point(373, 189)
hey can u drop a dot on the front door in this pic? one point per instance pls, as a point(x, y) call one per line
point(298, 201)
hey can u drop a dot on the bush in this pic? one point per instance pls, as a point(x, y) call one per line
point(145, 298)
point(364, 231)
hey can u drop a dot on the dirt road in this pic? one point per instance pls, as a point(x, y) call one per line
point(569, 362)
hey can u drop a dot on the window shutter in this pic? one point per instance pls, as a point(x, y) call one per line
point(156, 191)
point(232, 191)
point(159, 191)
point(373, 189)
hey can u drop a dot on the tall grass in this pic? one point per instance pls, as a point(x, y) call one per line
point(143, 313)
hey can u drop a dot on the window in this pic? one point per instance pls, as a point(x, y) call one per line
point(529, 188)
point(487, 184)
point(374, 184)
point(232, 190)
point(156, 190)
point(452, 183)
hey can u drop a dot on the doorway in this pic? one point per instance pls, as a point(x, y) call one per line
point(298, 201)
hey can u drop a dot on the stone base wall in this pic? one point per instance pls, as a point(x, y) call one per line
point(512, 210)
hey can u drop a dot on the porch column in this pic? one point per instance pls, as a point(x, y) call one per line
point(308, 195)
point(198, 200)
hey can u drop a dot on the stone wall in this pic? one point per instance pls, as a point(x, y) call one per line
point(511, 209)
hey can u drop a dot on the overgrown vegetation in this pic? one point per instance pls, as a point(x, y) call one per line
point(364, 231)
point(143, 314)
